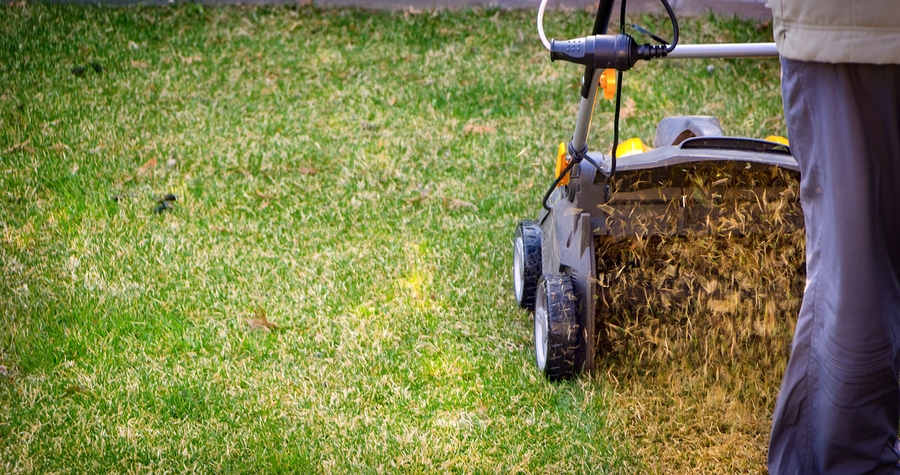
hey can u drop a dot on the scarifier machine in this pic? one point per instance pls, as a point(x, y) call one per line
point(694, 182)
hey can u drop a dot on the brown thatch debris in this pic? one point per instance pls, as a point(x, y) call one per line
point(20, 146)
point(454, 204)
point(148, 166)
point(479, 129)
point(696, 307)
point(261, 320)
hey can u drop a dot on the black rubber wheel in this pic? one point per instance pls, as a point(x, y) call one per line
point(556, 327)
point(526, 262)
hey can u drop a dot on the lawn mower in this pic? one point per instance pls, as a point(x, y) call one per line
point(695, 182)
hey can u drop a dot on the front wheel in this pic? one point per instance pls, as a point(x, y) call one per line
point(526, 262)
point(555, 326)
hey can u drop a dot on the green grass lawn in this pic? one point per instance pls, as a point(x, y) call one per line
point(331, 289)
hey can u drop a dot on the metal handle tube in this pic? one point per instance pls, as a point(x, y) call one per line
point(724, 50)
point(585, 111)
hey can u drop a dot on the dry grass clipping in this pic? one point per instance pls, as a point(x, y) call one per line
point(697, 308)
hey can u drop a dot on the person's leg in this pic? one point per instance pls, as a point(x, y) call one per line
point(839, 404)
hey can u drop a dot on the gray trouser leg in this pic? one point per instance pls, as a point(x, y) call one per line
point(839, 404)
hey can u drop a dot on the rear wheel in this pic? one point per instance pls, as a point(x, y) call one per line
point(526, 262)
point(555, 326)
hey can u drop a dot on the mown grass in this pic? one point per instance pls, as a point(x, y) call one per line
point(330, 292)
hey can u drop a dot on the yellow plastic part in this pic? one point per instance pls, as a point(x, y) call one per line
point(608, 83)
point(561, 163)
point(777, 139)
point(632, 146)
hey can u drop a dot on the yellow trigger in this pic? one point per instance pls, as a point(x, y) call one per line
point(608, 83)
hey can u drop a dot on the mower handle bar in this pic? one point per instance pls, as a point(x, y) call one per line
point(621, 52)
point(724, 50)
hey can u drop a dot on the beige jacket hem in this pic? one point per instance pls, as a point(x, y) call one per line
point(838, 31)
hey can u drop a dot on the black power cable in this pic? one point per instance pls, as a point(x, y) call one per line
point(674, 26)
point(619, 76)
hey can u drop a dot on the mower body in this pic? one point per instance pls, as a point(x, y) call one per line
point(691, 184)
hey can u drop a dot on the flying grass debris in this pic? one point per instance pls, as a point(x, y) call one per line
point(696, 312)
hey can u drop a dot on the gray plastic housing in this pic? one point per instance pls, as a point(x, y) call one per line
point(674, 130)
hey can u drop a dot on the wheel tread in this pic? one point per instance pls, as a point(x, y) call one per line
point(562, 339)
point(530, 233)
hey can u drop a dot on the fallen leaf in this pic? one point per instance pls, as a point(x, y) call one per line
point(457, 204)
point(479, 129)
point(147, 166)
point(138, 64)
point(20, 146)
point(264, 196)
point(261, 321)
